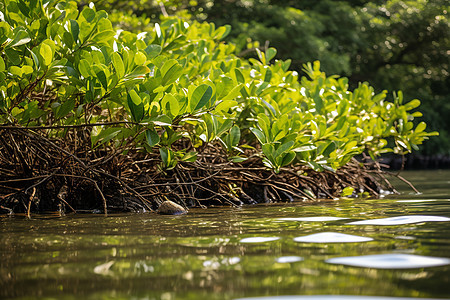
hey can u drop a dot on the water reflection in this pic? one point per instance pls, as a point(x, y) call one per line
point(227, 253)
point(391, 261)
point(401, 220)
point(331, 237)
point(259, 239)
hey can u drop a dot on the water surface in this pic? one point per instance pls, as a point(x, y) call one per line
point(230, 253)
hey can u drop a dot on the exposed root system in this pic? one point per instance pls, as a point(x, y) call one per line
point(39, 174)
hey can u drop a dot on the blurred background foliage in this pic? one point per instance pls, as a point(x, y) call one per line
point(394, 45)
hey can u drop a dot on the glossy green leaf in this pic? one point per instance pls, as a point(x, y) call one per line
point(235, 134)
point(103, 37)
point(170, 105)
point(65, 108)
point(153, 51)
point(152, 137)
point(21, 37)
point(190, 156)
point(270, 53)
point(118, 64)
point(140, 58)
point(200, 97)
point(74, 29)
point(170, 71)
point(136, 106)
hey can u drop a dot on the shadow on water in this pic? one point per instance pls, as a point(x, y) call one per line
point(227, 253)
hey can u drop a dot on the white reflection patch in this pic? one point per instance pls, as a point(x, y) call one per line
point(311, 219)
point(333, 297)
point(390, 261)
point(332, 237)
point(401, 220)
point(259, 239)
point(288, 259)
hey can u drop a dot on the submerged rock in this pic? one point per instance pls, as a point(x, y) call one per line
point(171, 208)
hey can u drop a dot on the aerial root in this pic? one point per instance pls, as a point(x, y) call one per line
point(40, 174)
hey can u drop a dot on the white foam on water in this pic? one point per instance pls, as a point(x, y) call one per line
point(311, 219)
point(259, 239)
point(288, 259)
point(332, 237)
point(401, 220)
point(390, 261)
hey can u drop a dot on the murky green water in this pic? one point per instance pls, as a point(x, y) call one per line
point(207, 254)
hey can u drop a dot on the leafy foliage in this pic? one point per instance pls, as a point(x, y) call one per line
point(178, 88)
point(392, 44)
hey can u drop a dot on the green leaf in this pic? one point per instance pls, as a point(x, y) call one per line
point(420, 127)
point(152, 137)
point(412, 104)
point(348, 191)
point(153, 51)
point(2, 64)
point(259, 135)
point(237, 159)
point(16, 71)
point(225, 105)
point(270, 54)
point(102, 78)
point(235, 134)
point(190, 156)
point(239, 76)
point(162, 120)
point(84, 67)
point(304, 148)
point(65, 108)
point(287, 159)
point(140, 58)
point(118, 64)
point(74, 30)
point(103, 37)
point(13, 56)
point(170, 105)
point(283, 148)
point(170, 71)
point(88, 14)
point(27, 70)
point(167, 158)
point(21, 37)
point(24, 8)
point(136, 106)
point(139, 71)
point(200, 97)
point(222, 32)
point(105, 135)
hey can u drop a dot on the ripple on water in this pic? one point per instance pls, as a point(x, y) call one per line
point(390, 261)
point(331, 237)
point(259, 239)
point(401, 220)
point(311, 219)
